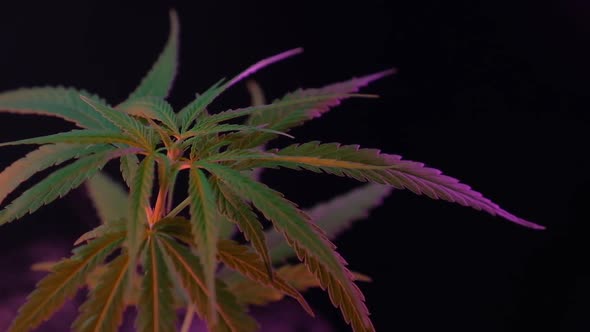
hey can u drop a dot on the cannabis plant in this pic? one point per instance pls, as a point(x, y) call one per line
point(150, 253)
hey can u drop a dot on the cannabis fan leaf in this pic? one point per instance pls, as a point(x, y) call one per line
point(161, 253)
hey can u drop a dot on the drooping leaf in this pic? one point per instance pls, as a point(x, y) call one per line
point(231, 316)
point(137, 216)
point(57, 184)
point(38, 160)
point(334, 216)
point(373, 166)
point(298, 276)
point(248, 263)
point(87, 136)
point(110, 199)
point(242, 215)
point(63, 282)
point(310, 244)
point(154, 108)
point(190, 113)
point(61, 102)
point(159, 79)
point(124, 122)
point(103, 310)
point(204, 218)
point(156, 311)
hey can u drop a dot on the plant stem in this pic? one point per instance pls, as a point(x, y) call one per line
point(188, 318)
point(179, 208)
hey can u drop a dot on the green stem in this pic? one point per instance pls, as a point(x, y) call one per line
point(179, 208)
point(188, 318)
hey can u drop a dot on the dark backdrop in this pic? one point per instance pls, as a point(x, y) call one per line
point(490, 92)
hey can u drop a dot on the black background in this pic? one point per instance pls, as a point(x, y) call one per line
point(493, 93)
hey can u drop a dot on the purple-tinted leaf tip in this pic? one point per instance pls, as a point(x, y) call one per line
point(264, 63)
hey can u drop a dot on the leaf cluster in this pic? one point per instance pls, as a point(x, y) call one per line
point(160, 253)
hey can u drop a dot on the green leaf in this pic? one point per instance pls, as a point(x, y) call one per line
point(310, 244)
point(57, 184)
point(103, 310)
point(374, 166)
point(61, 102)
point(128, 166)
point(126, 123)
point(298, 276)
point(154, 108)
point(294, 113)
point(241, 259)
point(334, 216)
point(159, 79)
point(115, 226)
point(240, 213)
point(38, 160)
point(87, 136)
point(204, 218)
point(190, 112)
point(110, 199)
point(209, 128)
point(63, 282)
point(156, 311)
point(139, 202)
point(231, 316)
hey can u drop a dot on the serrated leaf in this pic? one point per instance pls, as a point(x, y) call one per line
point(124, 122)
point(38, 160)
point(334, 216)
point(63, 282)
point(156, 311)
point(103, 310)
point(310, 244)
point(137, 218)
point(209, 128)
point(290, 112)
point(242, 215)
point(128, 166)
point(154, 108)
point(159, 79)
point(241, 259)
point(87, 136)
point(204, 218)
point(373, 166)
point(298, 276)
point(231, 316)
point(114, 226)
point(190, 112)
point(57, 184)
point(61, 102)
point(110, 199)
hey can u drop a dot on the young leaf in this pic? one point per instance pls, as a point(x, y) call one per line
point(38, 160)
point(124, 122)
point(241, 259)
point(294, 113)
point(87, 136)
point(242, 215)
point(57, 185)
point(156, 302)
point(310, 244)
point(374, 166)
point(154, 108)
point(190, 113)
point(231, 316)
point(103, 311)
point(204, 218)
point(334, 216)
point(158, 81)
point(137, 217)
point(63, 282)
point(110, 199)
point(61, 102)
